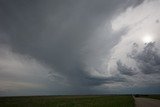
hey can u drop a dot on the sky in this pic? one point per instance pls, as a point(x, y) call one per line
point(77, 47)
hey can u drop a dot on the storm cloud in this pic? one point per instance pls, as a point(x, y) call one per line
point(125, 69)
point(76, 47)
point(148, 60)
point(137, 54)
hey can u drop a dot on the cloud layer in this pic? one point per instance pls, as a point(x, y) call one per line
point(131, 55)
point(78, 47)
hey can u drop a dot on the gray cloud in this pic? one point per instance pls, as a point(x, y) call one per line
point(139, 46)
point(148, 60)
point(55, 34)
point(125, 70)
point(70, 41)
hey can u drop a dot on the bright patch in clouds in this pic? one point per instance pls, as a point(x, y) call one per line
point(148, 38)
point(137, 21)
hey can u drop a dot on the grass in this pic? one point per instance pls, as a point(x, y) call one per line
point(67, 101)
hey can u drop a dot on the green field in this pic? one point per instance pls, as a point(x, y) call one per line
point(67, 101)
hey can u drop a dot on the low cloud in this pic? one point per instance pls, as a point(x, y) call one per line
point(148, 60)
point(125, 70)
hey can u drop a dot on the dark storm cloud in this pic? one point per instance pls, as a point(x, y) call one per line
point(148, 60)
point(125, 70)
point(85, 79)
point(55, 32)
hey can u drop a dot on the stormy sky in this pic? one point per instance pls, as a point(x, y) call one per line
point(57, 47)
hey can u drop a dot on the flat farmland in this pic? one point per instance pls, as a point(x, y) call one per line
point(68, 101)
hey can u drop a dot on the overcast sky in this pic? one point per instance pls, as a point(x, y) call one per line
point(52, 47)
